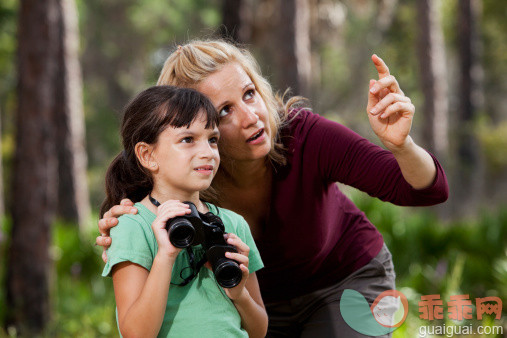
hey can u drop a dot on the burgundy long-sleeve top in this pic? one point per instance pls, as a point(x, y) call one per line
point(315, 236)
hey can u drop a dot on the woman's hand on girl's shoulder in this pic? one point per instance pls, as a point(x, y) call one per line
point(166, 211)
point(110, 220)
point(241, 257)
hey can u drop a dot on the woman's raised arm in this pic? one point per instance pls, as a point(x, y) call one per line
point(391, 113)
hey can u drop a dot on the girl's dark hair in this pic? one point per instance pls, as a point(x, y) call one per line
point(144, 118)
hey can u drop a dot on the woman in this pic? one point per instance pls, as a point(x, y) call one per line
point(279, 168)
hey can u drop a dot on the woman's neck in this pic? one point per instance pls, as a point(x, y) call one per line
point(243, 174)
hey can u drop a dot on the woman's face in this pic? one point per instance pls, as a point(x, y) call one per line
point(245, 133)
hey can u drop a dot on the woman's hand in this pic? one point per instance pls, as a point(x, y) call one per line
point(166, 211)
point(109, 220)
point(390, 112)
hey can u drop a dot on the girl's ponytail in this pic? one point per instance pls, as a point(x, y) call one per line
point(125, 178)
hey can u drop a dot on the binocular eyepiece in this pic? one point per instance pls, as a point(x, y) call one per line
point(206, 229)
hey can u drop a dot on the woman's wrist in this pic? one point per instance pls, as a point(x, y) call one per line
point(407, 147)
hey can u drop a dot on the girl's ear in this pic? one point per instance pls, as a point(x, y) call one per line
point(144, 153)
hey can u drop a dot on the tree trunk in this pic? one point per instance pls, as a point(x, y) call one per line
point(35, 165)
point(293, 46)
point(2, 201)
point(468, 174)
point(431, 55)
point(73, 199)
point(236, 21)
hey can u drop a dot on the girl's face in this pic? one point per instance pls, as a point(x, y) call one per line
point(244, 120)
point(187, 158)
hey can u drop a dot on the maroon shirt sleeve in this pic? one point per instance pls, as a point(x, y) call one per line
point(344, 156)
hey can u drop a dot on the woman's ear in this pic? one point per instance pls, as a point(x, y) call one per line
point(144, 153)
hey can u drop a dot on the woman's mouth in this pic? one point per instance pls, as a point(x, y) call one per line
point(258, 137)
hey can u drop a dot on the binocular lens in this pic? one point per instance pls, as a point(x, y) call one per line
point(228, 273)
point(181, 233)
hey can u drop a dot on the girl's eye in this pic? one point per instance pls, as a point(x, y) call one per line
point(213, 140)
point(225, 111)
point(187, 139)
point(249, 94)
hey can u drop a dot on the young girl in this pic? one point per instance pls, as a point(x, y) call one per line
point(170, 154)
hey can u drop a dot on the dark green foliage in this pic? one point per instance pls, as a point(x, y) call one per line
point(433, 257)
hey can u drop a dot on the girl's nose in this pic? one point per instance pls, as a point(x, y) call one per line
point(206, 151)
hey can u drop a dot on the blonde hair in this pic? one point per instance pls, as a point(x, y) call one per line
point(190, 64)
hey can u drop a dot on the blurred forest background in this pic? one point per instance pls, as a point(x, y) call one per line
point(67, 67)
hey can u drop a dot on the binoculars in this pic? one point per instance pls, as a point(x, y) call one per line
point(206, 229)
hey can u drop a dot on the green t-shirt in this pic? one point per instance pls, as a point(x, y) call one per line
point(200, 308)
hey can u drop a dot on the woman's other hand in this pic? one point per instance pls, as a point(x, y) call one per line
point(390, 112)
point(109, 220)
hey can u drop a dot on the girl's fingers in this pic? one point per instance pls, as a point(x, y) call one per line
point(173, 204)
point(242, 259)
point(239, 244)
point(165, 215)
point(244, 270)
point(386, 101)
point(398, 107)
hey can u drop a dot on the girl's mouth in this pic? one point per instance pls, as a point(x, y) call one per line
point(204, 169)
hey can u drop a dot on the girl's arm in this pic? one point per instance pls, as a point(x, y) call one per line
point(250, 306)
point(141, 296)
point(247, 296)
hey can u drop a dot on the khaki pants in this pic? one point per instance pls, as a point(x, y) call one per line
point(317, 314)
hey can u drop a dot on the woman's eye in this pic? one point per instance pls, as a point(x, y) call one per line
point(187, 139)
point(213, 140)
point(249, 93)
point(225, 111)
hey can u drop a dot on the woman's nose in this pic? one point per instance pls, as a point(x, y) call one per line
point(248, 116)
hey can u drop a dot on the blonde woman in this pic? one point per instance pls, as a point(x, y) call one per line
point(279, 167)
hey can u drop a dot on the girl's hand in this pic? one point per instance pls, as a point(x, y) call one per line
point(166, 211)
point(109, 220)
point(241, 257)
point(390, 112)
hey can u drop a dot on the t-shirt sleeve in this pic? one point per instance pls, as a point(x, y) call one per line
point(130, 242)
point(254, 257)
point(344, 156)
